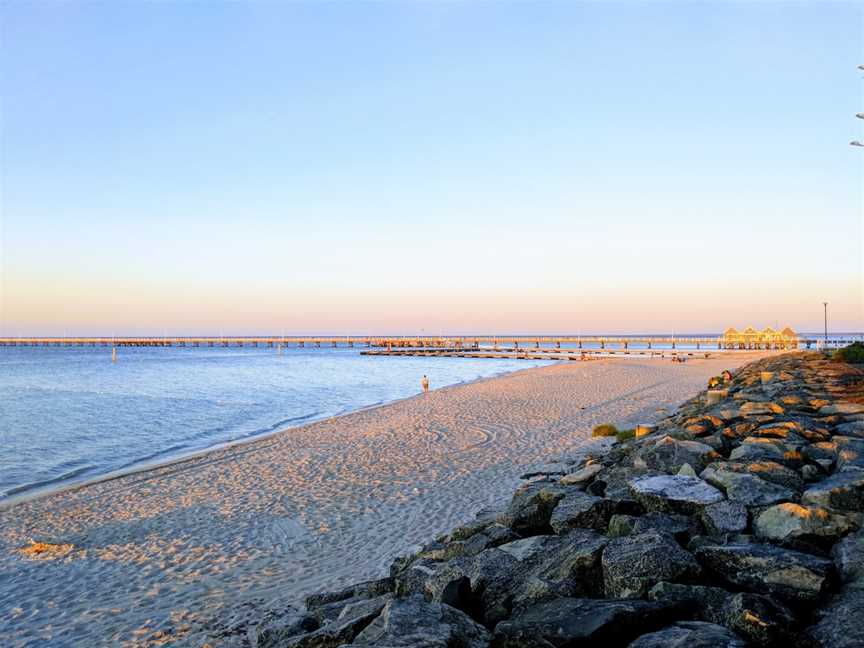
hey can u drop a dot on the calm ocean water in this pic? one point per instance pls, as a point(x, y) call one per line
point(68, 414)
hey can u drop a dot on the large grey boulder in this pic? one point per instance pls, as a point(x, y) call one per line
point(769, 471)
point(840, 623)
point(852, 428)
point(581, 510)
point(842, 408)
point(668, 455)
point(824, 453)
point(761, 449)
point(790, 575)
point(366, 589)
point(843, 490)
point(349, 608)
point(674, 493)
point(273, 632)
point(576, 559)
point(747, 489)
point(616, 480)
point(531, 507)
point(690, 634)
point(724, 518)
point(567, 622)
point(809, 524)
point(682, 527)
point(331, 635)
point(633, 564)
point(701, 601)
point(415, 622)
point(848, 555)
point(751, 408)
point(454, 545)
point(520, 573)
point(850, 452)
point(582, 476)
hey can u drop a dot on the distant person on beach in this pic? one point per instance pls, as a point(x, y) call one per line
point(425, 383)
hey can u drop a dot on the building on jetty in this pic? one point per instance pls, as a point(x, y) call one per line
point(767, 338)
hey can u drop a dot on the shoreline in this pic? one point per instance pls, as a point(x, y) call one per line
point(194, 549)
point(54, 488)
point(60, 485)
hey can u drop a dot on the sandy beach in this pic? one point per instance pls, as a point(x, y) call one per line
point(188, 552)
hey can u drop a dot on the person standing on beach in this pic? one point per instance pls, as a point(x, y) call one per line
point(425, 383)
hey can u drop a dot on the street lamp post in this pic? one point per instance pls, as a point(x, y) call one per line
point(825, 306)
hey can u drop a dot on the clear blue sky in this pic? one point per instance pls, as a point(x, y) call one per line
point(349, 167)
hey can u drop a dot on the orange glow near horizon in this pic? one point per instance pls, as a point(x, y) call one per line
point(118, 308)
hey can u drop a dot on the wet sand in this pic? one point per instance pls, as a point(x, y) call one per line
point(189, 552)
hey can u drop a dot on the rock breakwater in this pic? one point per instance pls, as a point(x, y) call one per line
point(737, 521)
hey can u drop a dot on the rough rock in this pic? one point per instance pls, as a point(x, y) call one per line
point(852, 428)
point(521, 573)
point(766, 449)
point(633, 564)
point(349, 608)
point(273, 632)
point(415, 622)
point(755, 409)
point(674, 493)
point(681, 527)
point(581, 476)
point(616, 480)
point(550, 469)
point(724, 518)
point(745, 488)
point(760, 620)
point(366, 589)
point(843, 490)
point(669, 455)
point(842, 408)
point(581, 510)
point(702, 602)
point(840, 622)
point(332, 635)
point(788, 574)
point(823, 452)
point(850, 452)
point(569, 622)
point(531, 507)
point(687, 471)
point(690, 634)
point(848, 555)
point(792, 522)
point(769, 471)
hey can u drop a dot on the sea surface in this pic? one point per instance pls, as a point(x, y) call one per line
point(68, 414)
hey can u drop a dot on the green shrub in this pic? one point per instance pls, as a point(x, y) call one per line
point(853, 353)
point(625, 435)
point(605, 430)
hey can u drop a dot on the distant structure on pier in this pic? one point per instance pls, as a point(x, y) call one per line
point(767, 338)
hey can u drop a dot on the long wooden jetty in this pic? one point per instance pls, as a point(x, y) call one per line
point(522, 342)
point(514, 353)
